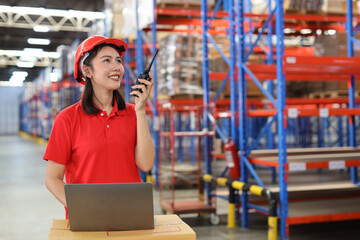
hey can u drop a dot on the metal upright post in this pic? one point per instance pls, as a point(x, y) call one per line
point(156, 119)
point(323, 129)
point(233, 86)
point(319, 132)
point(242, 111)
point(340, 131)
point(206, 89)
point(270, 84)
point(351, 83)
point(281, 94)
point(178, 127)
point(233, 94)
point(139, 60)
point(127, 76)
point(42, 111)
point(139, 44)
point(50, 110)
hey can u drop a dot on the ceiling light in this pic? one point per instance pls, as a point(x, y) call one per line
point(86, 14)
point(33, 50)
point(42, 28)
point(52, 12)
point(28, 58)
point(27, 10)
point(25, 64)
point(305, 31)
point(38, 54)
point(289, 30)
point(38, 41)
point(54, 77)
point(17, 80)
point(331, 32)
point(20, 73)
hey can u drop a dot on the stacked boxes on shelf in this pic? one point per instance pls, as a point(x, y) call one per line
point(178, 70)
point(307, 6)
point(182, 3)
point(43, 99)
point(339, 7)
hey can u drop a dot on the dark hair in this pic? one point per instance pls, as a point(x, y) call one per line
point(87, 102)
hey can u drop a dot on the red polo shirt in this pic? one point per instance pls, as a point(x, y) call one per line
point(95, 148)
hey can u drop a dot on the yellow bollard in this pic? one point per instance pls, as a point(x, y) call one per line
point(201, 197)
point(207, 178)
point(221, 181)
point(149, 178)
point(256, 189)
point(237, 185)
point(231, 215)
point(272, 228)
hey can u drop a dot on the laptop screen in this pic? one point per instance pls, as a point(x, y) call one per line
point(110, 207)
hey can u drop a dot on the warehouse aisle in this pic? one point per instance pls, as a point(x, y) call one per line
point(27, 208)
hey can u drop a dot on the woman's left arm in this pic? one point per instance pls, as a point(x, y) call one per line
point(144, 150)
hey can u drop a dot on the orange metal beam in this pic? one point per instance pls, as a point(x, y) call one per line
point(193, 31)
point(188, 12)
point(265, 163)
point(323, 218)
point(303, 112)
point(262, 102)
point(307, 17)
point(191, 22)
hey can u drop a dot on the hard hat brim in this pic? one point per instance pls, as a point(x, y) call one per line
point(89, 44)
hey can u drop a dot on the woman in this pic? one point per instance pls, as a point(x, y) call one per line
point(100, 139)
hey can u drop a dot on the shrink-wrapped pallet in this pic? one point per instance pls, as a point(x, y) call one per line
point(183, 3)
point(178, 70)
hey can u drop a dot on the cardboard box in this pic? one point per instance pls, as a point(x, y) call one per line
point(169, 227)
point(339, 7)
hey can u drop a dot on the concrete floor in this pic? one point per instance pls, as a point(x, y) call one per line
point(27, 208)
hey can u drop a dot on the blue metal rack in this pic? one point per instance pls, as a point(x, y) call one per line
point(280, 104)
point(351, 32)
point(140, 66)
point(238, 103)
point(206, 84)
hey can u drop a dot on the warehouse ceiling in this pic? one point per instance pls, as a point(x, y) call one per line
point(15, 38)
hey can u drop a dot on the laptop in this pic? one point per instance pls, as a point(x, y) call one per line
point(110, 206)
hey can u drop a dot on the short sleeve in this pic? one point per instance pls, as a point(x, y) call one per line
point(59, 145)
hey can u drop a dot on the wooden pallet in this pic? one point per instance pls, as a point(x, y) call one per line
point(185, 176)
point(304, 12)
point(332, 94)
point(180, 5)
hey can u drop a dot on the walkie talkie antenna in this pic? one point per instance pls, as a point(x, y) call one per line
point(145, 75)
point(148, 69)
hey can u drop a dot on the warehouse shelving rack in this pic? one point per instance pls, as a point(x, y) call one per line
point(42, 102)
point(35, 108)
point(142, 42)
point(283, 66)
point(139, 53)
point(266, 72)
point(206, 32)
point(189, 176)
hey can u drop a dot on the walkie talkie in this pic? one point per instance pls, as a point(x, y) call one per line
point(145, 73)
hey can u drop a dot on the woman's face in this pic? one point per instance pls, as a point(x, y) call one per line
point(107, 70)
